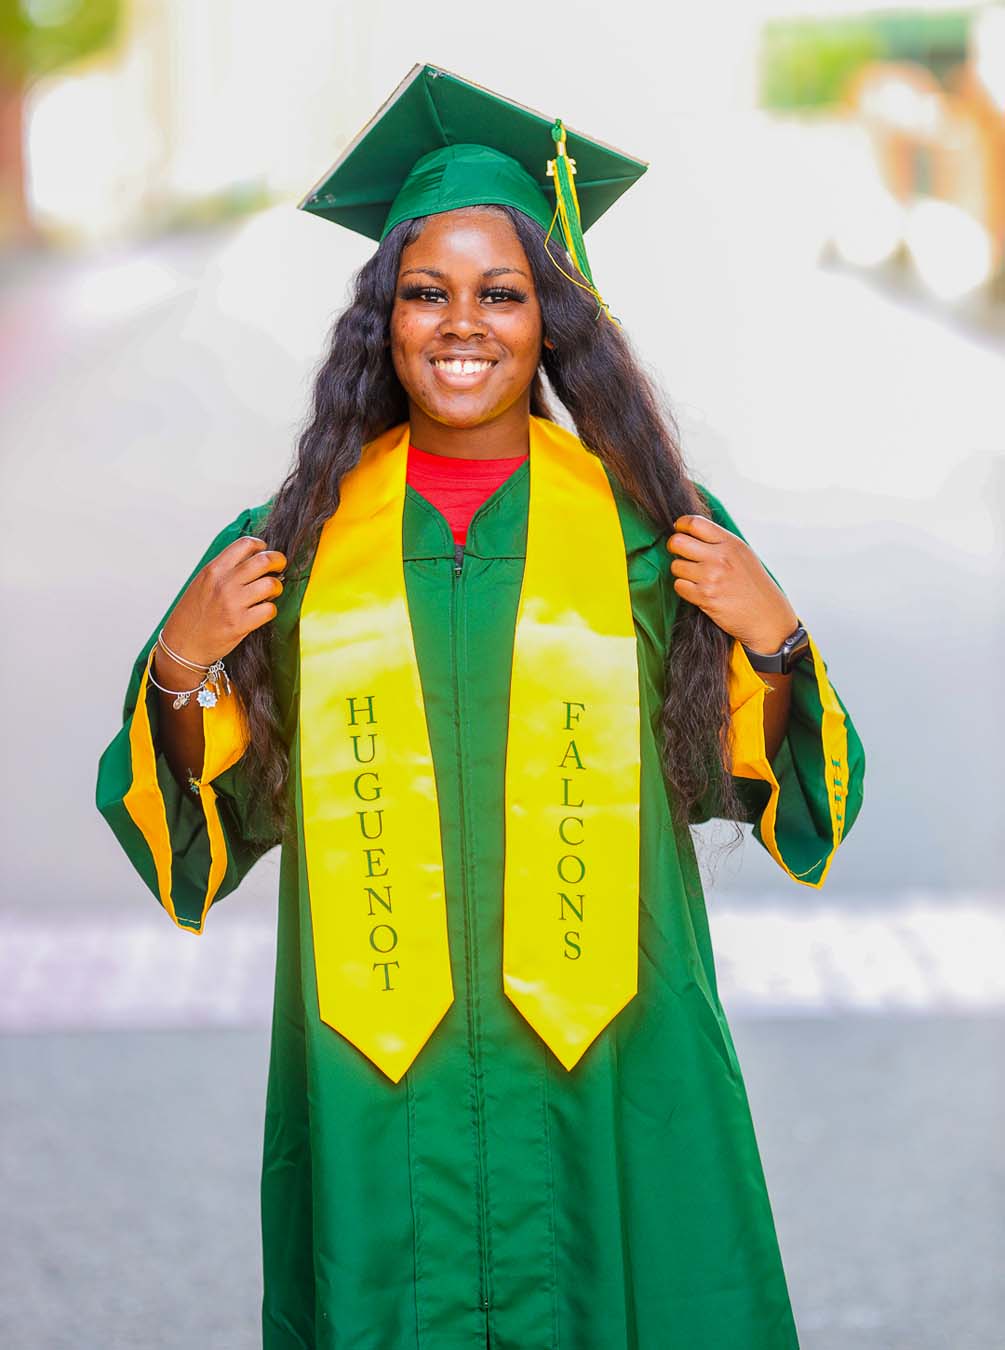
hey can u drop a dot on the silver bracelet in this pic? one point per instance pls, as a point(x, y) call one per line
point(182, 660)
point(207, 691)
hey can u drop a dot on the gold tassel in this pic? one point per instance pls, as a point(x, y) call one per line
point(562, 169)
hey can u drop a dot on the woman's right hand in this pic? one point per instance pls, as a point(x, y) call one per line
point(225, 601)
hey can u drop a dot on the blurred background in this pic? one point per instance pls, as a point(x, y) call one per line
point(814, 270)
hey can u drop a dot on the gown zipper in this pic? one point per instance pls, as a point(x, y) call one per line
point(456, 596)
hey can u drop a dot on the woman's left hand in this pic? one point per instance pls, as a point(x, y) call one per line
point(715, 570)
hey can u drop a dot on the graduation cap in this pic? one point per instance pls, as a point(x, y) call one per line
point(441, 142)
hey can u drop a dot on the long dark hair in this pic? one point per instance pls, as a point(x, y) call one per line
point(618, 415)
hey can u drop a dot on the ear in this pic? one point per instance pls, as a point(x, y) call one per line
point(549, 344)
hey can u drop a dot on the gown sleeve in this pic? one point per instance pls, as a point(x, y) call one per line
point(804, 800)
point(191, 845)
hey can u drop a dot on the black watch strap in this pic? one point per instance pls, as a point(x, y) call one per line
point(789, 654)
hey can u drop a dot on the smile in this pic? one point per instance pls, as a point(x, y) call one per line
point(461, 368)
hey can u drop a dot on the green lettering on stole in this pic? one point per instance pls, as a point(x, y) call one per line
point(373, 934)
point(371, 862)
point(367, 773)
point(384, 965)
point(570, 862)
point(371, 892)
point(362, 823)
point(575, 755)
point(373, 749)
point(564, 861)
point(568, 713)
point(565, 900)
point(368, 700)
point(564, 837)
point(383, 938)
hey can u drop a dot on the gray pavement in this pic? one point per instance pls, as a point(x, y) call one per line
point(131, 1163)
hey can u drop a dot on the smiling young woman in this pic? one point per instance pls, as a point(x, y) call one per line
point(466, 335)
point(482, 674)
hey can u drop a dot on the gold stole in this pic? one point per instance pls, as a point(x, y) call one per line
point(371, 816)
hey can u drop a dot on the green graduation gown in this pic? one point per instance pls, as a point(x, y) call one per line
point(491, 1197)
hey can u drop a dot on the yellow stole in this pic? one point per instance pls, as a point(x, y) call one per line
point(371, 815)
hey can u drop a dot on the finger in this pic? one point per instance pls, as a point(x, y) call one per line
point(691, 571)
point(244, 547)
point(701, 527)
point(263, 588)
point(267, 560)
point(690, 547)
point(687, 590)
point(261, 614)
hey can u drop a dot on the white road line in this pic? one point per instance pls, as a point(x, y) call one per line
point(920, 956)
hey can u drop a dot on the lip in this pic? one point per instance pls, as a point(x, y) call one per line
point(461, 379)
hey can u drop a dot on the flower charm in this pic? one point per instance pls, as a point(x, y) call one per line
point(206, 697)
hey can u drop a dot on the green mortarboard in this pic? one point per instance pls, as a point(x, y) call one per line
point(440, 142)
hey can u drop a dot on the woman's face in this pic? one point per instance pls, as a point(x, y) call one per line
point(466, 324)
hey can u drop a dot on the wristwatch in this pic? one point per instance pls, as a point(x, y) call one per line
point(792, 650)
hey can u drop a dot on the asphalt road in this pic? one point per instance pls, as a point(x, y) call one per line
point(130, 1166)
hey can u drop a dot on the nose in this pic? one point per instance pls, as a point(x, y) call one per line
point(462, 319)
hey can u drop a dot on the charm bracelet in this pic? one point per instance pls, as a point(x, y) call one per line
point(207, 691)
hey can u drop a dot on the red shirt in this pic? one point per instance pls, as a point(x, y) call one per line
point(457, 487)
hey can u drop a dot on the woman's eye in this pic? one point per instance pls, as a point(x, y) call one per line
point(499, 294)
point(422, 293)
point(433, 294)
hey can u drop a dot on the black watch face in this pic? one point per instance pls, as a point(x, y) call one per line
point(799, 648)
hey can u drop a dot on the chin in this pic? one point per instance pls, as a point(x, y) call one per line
point(462, 418)
point(458, 412)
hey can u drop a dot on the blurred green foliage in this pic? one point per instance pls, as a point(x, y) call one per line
point(38, 37)
point(230, 203)
point(805, 63)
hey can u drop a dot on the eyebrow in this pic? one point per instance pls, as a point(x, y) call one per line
point(492, 272)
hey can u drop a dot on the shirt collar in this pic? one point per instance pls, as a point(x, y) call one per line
point(498, 529)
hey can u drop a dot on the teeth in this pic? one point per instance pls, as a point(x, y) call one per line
point(462, 367)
